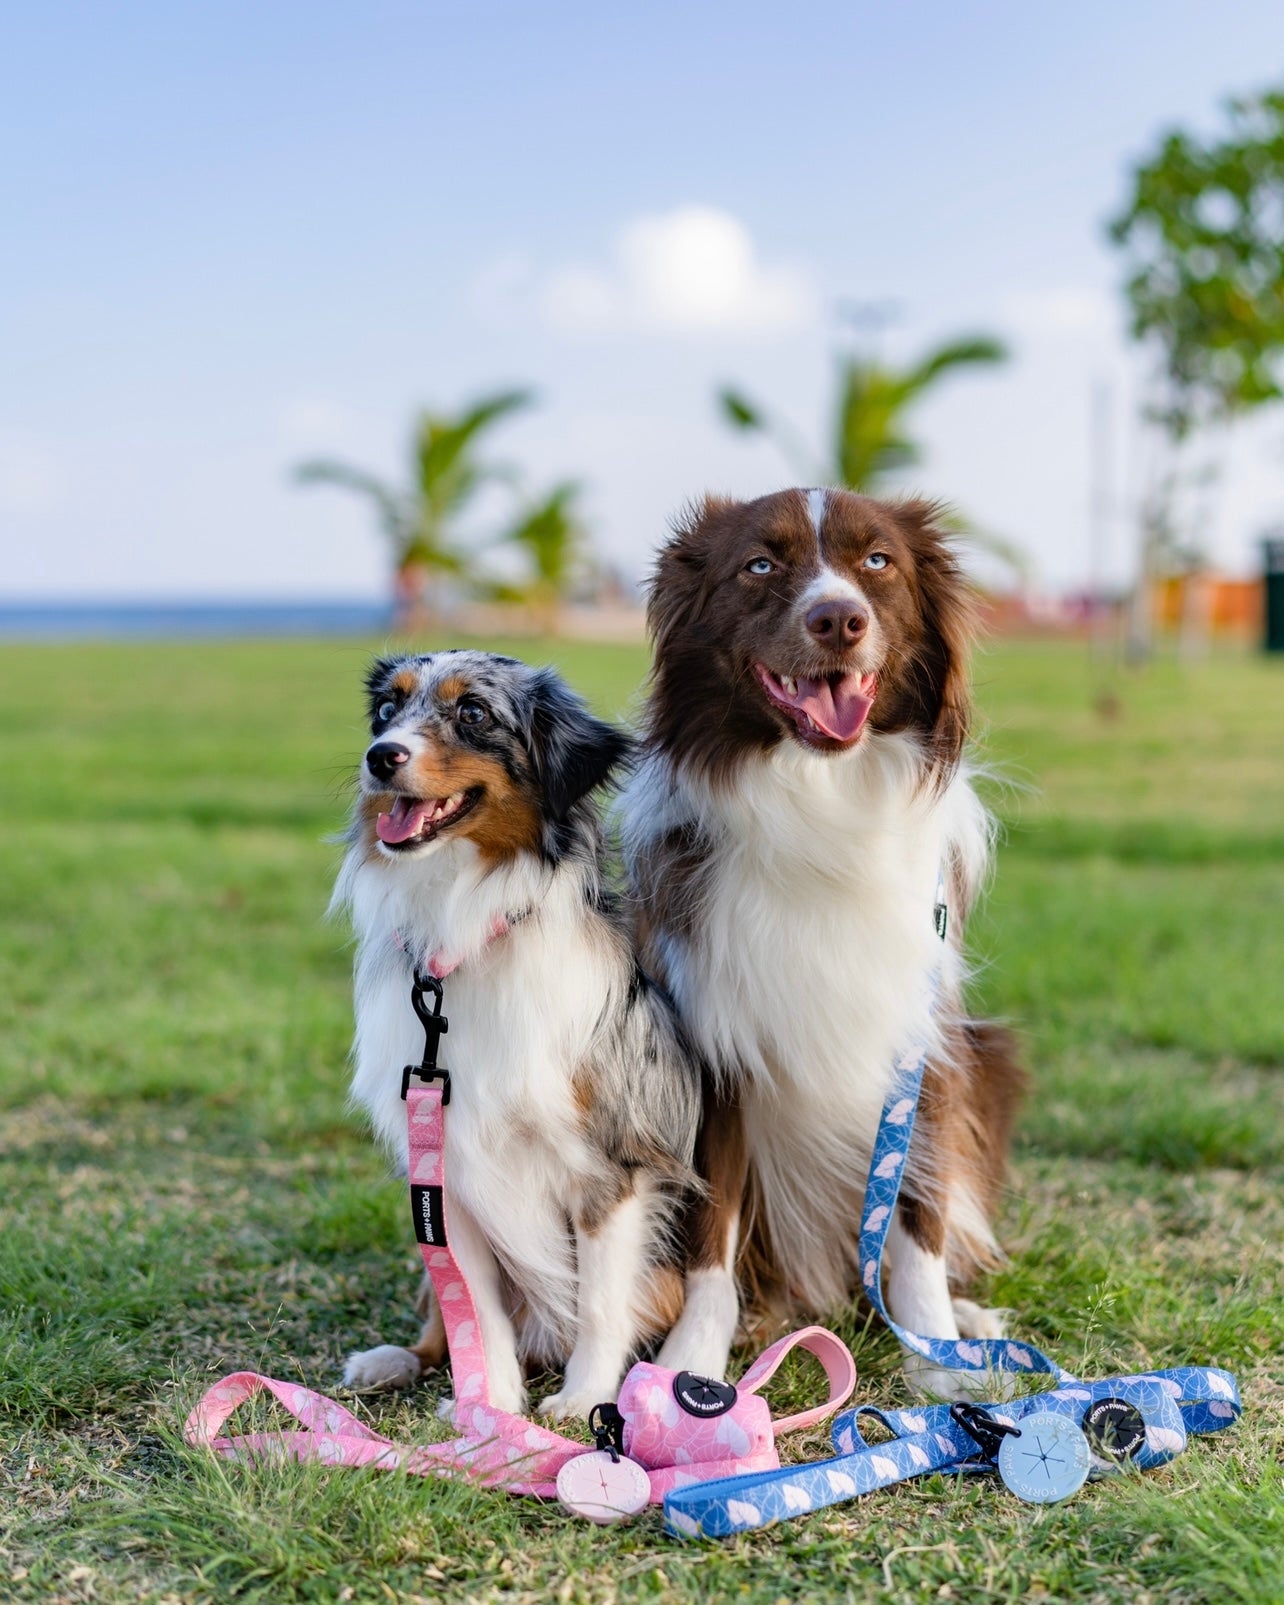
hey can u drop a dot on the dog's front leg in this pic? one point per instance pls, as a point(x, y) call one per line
point(918, 1297)
point(613, 1271)
point(390, 1366)
point(701, 1340)
point(480, 1270)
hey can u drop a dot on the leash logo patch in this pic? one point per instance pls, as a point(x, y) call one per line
point(703, 1396)
point(430, 1217)
point(1115, 1428)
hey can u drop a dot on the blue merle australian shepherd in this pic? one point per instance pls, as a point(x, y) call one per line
point(475, 852)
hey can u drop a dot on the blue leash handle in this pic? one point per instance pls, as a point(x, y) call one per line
point(1186, 1401)
point(1173, 1405)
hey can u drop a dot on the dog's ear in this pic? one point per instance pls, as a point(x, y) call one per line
point(948, 606)
point(572, 751)
point(679, 584)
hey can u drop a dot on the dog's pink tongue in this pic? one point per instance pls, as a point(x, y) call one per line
point(839, 709)
point(405, 820)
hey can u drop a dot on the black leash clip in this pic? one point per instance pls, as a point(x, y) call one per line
point(435, 1026)
point(982, 1428)
point(607, 1426)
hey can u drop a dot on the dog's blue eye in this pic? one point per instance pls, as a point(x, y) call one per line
point(470, 711)
point(877, 560)
point(386, 711)
point(759, 565)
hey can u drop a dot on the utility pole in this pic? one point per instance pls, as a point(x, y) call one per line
point(1100, 503)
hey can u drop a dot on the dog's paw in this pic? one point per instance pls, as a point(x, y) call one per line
point(938, 1382)
point(507, 1400)
point(561, 1406)
point(976, 1322)
point(384, 1367)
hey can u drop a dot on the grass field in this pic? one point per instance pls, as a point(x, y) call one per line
point(184, 1193)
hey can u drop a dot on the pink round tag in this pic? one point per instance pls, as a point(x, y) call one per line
point(601, 1489)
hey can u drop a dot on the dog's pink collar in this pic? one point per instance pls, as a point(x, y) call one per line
point(442, 963)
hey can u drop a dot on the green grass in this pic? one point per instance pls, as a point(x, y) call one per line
point(185, 1193)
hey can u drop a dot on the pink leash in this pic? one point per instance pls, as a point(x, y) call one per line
point(494, 1447)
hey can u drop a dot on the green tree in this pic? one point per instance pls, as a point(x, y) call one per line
point(420, 521)
point(871, 441)
point(1204, 233)
point(552, 534)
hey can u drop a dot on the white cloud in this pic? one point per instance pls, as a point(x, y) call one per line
point(692, 270)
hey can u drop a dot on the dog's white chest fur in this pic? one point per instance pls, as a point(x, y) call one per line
point(811, 960)
point(519, 1014)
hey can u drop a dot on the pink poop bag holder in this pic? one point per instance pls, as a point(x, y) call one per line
point(681, 1426)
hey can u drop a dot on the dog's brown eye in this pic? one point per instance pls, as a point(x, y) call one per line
point(470, 711)
point(759, 565)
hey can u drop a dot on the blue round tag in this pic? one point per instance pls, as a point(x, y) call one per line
point(1049, 1460)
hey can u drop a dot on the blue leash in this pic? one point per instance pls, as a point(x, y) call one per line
point(1168, 1405)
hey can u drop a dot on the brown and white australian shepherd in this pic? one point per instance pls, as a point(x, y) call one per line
point(804, 778)
point(475, 851)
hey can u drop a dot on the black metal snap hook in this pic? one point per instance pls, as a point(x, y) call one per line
point(435, 1026)
point(607, 1426)
point(431, 1019)
point(982, 1428)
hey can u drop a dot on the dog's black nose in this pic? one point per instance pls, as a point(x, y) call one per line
point(385, 758)
point(837, 623)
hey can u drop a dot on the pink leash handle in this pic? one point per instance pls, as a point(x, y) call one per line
point(833, 1354)
point(334, 1436)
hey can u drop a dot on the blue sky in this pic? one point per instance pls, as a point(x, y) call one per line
point(240, 235)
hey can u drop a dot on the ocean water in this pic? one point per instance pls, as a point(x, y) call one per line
point(180, 620)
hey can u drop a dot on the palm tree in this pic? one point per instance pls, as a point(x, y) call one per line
point(551, 532)
point(871, 442)
point(419, 521)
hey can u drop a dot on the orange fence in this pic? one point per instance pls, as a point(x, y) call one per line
point(1221, 606)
